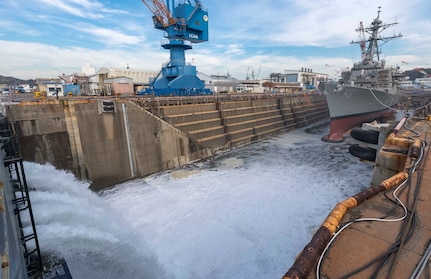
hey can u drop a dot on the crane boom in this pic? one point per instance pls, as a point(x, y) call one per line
point(160, 11)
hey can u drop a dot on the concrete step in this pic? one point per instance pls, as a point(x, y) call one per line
point(246, 110)
point(241, 141)
point(193, 117)
point(185, 109)
point(269, 132)
point(252, 123)
point(269, 126)
point(216, 141)
point(249, 116)
point(241, 133)
point(199, 125)
point(207, 132)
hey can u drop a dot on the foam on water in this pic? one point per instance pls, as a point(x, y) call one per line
point(74, 223)
point(245, 213)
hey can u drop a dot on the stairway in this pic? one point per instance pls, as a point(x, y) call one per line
point(224, 124)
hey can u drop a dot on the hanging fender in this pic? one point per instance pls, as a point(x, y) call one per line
point(365, 135)
point(363, 153)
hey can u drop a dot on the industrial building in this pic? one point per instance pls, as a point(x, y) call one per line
point(294, 81)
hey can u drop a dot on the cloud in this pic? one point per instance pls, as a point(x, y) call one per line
point(277, 34)
point(107, 36)
point(58, 4)
point(32, 60)
point(82, 8)
point(234, 49)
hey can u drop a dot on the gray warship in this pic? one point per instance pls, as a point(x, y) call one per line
point(366, 92)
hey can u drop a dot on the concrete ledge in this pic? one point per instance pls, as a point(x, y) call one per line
point(184, 109)
point(224, 105)
point(268, 127)
point(241, 134)
point(192, 117)
point(214, 142)
point(270, 132)
point(252, 123)
point(199, 125)
point(208, 132)
point(250, 116)
point(246, 110)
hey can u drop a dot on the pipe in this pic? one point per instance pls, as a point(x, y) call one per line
point(5, 266)
point(392, 138)
point(422, 263)
point(416, 149)
point(307, 259)
point(400, 125)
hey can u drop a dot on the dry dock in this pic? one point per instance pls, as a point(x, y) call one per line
point(384, 231)
point(109, 141)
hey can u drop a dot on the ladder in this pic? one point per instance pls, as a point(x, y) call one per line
point(21, 202)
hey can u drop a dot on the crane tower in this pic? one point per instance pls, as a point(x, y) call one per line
point(183, 24)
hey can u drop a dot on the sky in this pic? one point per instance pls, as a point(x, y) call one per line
point(45, 38)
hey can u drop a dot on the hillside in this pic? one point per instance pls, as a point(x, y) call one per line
point(11, 81)
point(413, 74)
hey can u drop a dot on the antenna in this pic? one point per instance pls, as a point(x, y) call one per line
point(258, 73)
point(361, 39)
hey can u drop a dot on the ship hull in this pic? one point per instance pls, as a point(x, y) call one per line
point(350, 106)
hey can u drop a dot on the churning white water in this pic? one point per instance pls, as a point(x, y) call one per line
point(245, 213)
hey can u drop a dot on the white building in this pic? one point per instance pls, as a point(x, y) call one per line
point(251, 86)
point(219, 83)
point(424, 82)
point(88, 70)
point(295, 81)
point(141, 78)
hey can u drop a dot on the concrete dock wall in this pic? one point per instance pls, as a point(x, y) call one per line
point(105, 148)
point(227, 123)
point(112, 141)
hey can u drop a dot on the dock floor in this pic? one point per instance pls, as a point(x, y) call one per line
point(391, 246)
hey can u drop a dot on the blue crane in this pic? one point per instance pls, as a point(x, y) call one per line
point(183, 24)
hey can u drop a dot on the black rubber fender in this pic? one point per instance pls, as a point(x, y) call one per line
point(363, 153)
point(108, 108)
point(365, 135)
point(108, 103)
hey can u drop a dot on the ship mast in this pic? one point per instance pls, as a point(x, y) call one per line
point(361, 39)
point(374, 30)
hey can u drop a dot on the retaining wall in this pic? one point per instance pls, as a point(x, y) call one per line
point(229, 123)
point(126, 140)
point(105, 148)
